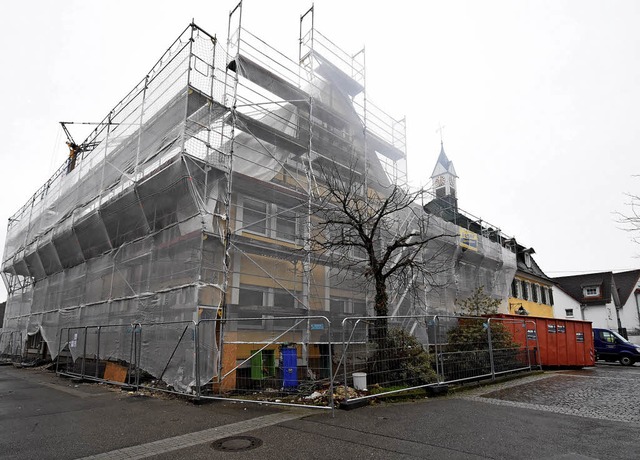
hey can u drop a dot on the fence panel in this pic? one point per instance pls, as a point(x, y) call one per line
point(462, 347)
point(11, 346)
point(166, 357)
point(101, 353)
point(273, 360)
point(384, 354)
point(521, 353)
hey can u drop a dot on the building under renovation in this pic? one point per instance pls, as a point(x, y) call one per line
point(193, 201)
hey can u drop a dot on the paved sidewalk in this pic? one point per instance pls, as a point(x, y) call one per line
point(607, 392)
point(556, 415)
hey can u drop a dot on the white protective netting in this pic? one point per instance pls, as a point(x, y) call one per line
point(201, 180)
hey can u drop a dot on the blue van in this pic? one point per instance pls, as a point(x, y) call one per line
point(611, 346)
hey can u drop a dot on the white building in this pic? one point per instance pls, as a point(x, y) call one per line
point(609, 300)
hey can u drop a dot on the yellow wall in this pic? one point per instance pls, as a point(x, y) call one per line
point(534, 308)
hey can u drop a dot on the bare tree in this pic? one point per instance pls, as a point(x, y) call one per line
point(631, 221)
point(380, 234)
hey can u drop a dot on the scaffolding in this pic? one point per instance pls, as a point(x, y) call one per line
point(194, 202)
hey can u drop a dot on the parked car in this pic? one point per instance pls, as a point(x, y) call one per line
point(611, 346)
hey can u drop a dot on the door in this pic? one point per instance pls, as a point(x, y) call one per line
point(605, 345)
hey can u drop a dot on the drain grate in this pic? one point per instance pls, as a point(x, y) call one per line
point(236, 443)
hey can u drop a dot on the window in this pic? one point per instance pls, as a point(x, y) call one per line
point(543, 295)
point(348, 306)
point(527, 259)
point(250, 297)
point(568, 312)
point(525, 290)
point(250, 302)
point(283, 299)
point(286, 225)
point(359, 308)
point(551, 296)
point(514, 288)
point(269, 219)
point(358, 252)
point(591, 291)
point(254, 216)
point(534, 292)
point(339, 305)
point(607, 336)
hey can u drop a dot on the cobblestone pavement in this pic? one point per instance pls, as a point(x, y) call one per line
point(605, 392)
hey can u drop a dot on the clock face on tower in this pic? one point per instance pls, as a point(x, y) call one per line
point(438, 181)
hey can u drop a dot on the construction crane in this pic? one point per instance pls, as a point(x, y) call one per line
point(74, 148)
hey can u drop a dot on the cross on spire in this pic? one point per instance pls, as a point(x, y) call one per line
point(439, 130)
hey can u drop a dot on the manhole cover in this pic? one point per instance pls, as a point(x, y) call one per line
point(237, 443)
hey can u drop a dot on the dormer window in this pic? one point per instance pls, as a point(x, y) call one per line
point(527, 259)
point(591, 291)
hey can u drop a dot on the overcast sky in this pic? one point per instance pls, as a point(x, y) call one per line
point(540, 100)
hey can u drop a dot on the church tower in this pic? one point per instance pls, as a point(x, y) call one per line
point(444, 179)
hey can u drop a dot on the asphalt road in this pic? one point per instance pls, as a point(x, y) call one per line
point(592, 413)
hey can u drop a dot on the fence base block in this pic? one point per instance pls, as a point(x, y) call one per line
point(354, 403)
point(438, 390)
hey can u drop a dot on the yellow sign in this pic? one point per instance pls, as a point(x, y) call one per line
point(468, 239)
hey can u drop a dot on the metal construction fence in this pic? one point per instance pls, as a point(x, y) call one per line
point(293, 360)
point(391, 354)
point(11, 346)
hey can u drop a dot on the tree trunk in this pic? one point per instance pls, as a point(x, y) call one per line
point(381, 309)
point(380, 365)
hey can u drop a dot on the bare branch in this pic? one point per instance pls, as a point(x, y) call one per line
point(379, 233)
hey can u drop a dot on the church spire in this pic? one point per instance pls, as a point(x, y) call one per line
point(444, 178)
point(443, 165)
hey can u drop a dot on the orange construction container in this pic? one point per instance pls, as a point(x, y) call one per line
point(558, 342)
